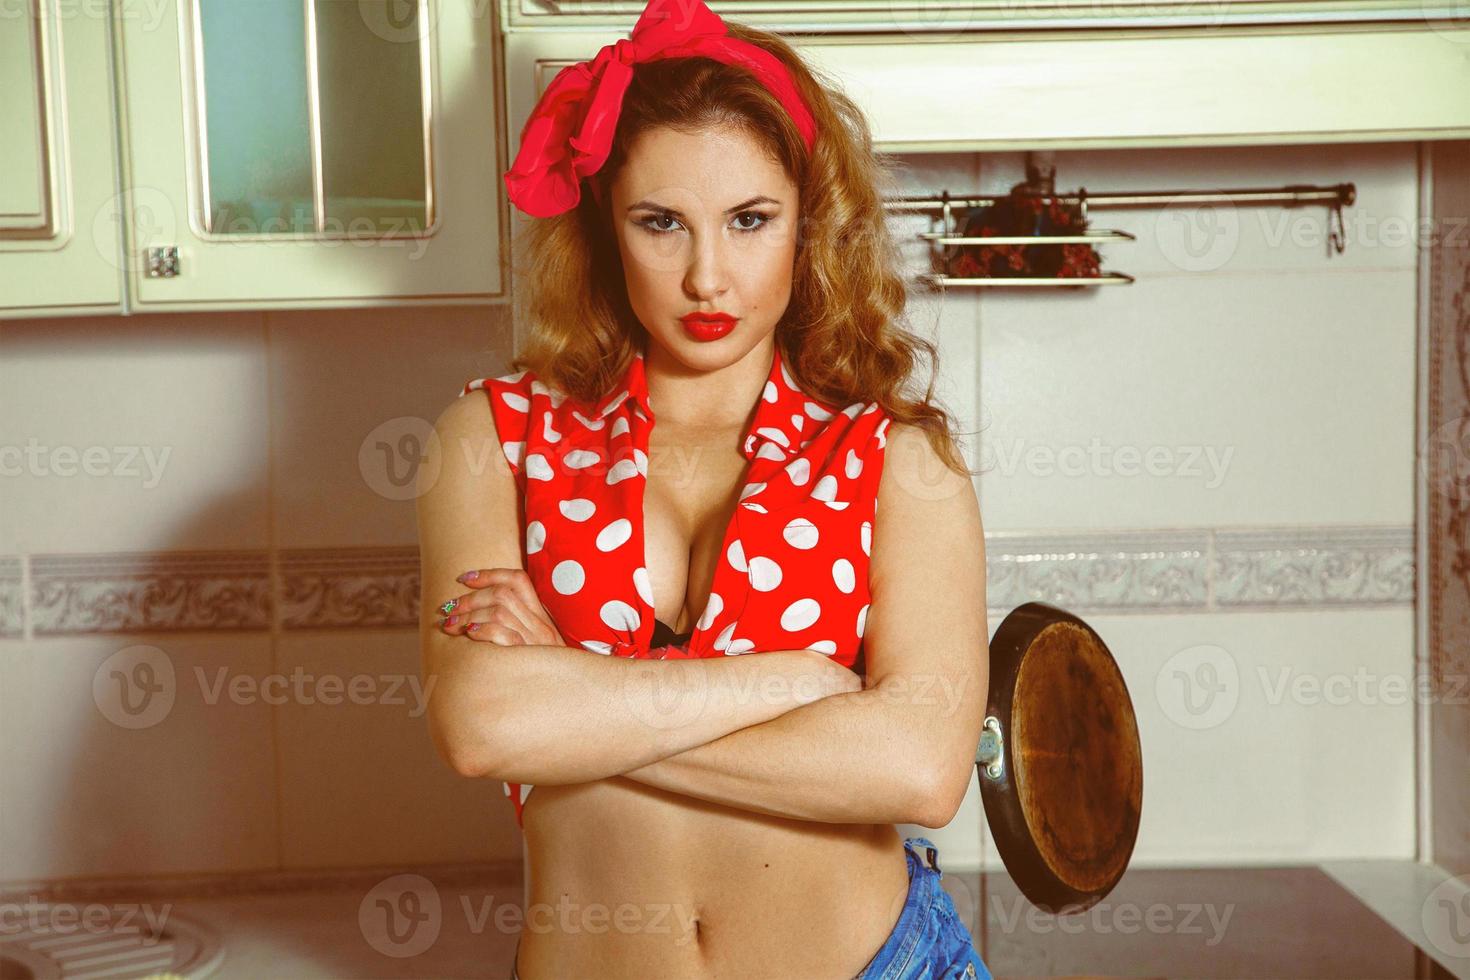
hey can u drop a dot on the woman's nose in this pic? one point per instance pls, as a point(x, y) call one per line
point(706, 276)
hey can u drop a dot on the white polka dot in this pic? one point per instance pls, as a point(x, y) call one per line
point(623, 469)
point(843, 576)
point(739, 646)
point(826, 488)
point(866, 534)
point(577, 509)
point(619, 427)
point(801, 533)
point(735, 554)
point(514, 451)
point(711, 611)
point(755, 507)
point(854, 465)
point(592, 424)
point(800, 471)
point(769, 393)
point(800, 614)
point(883, 433)
point(618, 615)
point(786, 377)
point(580, 459)
point(751, 489)
point(550, 434)
point(525, 791)
point(862, 620)
point(816, 411)
point(537, 468)
point(640, 459)
point(598, 646)
point(828, 647)
point(723, 640)
point(614, 535)
point(568, 577)
point(775, 435)
point(642, 583)
point(765, 574)
point(837, 504)
point(535, 536)
point(769, 450)
point(516, 401)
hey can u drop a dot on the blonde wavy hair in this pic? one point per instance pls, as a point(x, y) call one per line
point(843, 336)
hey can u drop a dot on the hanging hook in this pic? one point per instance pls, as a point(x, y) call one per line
point(1337, 236)
point(949, 227)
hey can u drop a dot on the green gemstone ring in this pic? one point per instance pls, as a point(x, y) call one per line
point(448, 607)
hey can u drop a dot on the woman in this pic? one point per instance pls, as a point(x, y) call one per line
point(687, 466)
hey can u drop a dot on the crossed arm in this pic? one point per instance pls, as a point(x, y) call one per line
point(898, 750)
point(903, 748)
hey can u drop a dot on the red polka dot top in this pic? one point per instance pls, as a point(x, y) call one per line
point(794, 566)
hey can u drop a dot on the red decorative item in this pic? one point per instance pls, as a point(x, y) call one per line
point(1023, 212)
point(569, 133)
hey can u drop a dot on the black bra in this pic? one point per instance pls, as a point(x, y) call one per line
point(664, 635)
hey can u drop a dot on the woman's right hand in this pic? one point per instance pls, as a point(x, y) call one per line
point(502, 609)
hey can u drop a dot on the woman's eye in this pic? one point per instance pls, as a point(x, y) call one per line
point(753, 214)
point(648, 223)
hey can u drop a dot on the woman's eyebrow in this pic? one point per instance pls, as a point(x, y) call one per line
point(758, 199)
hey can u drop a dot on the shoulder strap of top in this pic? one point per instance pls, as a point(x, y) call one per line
point(510, 406)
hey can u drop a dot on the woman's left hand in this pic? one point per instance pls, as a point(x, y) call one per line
point(502, 609)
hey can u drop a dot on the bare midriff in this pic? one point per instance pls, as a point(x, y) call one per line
point(631, 881)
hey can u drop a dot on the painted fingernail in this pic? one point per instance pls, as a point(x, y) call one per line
point(472, 627)
point(451, 620)
point(467, 575)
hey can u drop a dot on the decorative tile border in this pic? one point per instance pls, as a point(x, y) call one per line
point(378, 588)
point(1089, 571)
point(349, 588)
point(12, 590)
point(501, 874)
point(148, 591)
point(1371, 566)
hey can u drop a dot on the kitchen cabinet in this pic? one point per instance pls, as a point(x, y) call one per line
point(60, 241)
point(958, 16)
point(271, 154)
point(310, 153)
point(1112, 88)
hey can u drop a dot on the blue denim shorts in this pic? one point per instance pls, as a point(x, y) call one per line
point(929, 942)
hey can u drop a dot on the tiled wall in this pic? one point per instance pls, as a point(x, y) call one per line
point(1215, 467)
point(266, 553)
point(245, 516)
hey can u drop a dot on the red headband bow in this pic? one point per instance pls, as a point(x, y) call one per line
point(546, 176)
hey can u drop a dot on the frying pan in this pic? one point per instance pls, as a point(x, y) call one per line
point(1059, 760)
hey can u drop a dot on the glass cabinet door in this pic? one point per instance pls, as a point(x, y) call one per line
point(314, 116)
point(298, 153)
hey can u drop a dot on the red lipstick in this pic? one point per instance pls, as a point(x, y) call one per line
point(707, 326)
